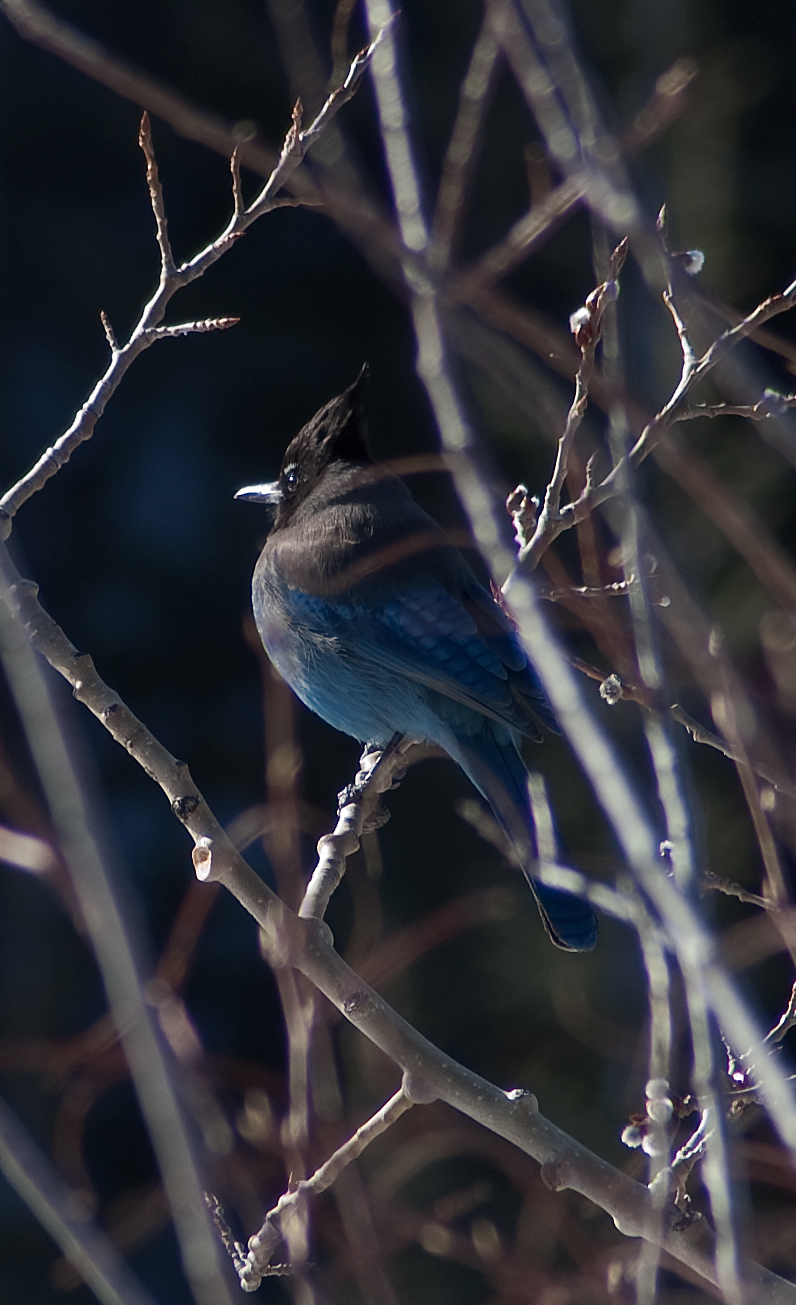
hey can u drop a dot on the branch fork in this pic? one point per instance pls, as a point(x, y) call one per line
point(256, 1265)
point(173, 277)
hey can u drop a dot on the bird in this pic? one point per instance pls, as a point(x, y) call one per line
point(380, 626)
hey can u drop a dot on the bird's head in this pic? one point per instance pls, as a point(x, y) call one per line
point(337, 433)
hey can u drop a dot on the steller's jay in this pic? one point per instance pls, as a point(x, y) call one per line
point(379, 625)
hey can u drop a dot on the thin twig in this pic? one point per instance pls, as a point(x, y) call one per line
point(614, 690)
point(237, 188)
point(173, 278)
point(263, 1244)
point(586, 327)
point(692, 374)
point(192, 328)
point(748, 535)
point(156, 197)
point(770, 405)
point(693, 1150)
point(786, 1021)
point(619, 589)
point(713, 882)
point(44, 1191)
point(347, 89)
point(461, 155)
point(676, 462)
point(544, 217)
point(725, 715)
point(235, 1250)
point(109, 332)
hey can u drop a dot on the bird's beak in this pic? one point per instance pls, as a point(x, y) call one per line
point(267, 493)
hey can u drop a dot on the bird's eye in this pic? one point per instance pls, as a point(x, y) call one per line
point(291, 480)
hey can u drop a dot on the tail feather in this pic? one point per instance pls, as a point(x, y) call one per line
point(499, 773)
point(570, 921)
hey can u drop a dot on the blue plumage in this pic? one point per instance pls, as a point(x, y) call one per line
point(380, 627)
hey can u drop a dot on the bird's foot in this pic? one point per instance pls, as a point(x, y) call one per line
point(374, 758)
point(376, 816)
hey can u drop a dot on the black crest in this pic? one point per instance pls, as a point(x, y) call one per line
point(337, 433)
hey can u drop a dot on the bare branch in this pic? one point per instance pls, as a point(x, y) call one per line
point(619, 589)
point(561, 102)
point(156, 197)
point(692, 1151)
point(748, 535)
point(689, 361)
point(786, 1021)
point(304, 945)
point(360, 811)
point(113, 947)
point(586, 325)
point(347, 90)
point(614, 791)
point(83, 1243)
point(109, 332)
point(614, 690)
point(297, 142)
point(262, 1245)
point(770, 405)
point(191, 328)
point(460, 157)
point(712, 882)
point(664, 106)
point(235, 1250)
point(173, 278)
point(237, 189)
point(544, 217)
point(693, 372)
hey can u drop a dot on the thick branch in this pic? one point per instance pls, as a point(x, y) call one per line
point(305, 945)
point(360, 810)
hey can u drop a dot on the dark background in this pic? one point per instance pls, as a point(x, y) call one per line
point(143, 557)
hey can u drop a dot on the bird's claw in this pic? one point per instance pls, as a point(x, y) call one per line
point(349, 794)
point(375, 818)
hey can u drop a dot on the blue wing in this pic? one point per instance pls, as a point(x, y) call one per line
point(459, 644)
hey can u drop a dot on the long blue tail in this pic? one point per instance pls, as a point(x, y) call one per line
point(499, 773)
